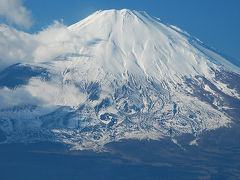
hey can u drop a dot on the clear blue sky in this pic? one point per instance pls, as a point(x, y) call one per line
point(215, 22)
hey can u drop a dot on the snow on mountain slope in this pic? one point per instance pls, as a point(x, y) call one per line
point(133, 38)
point(119, 74)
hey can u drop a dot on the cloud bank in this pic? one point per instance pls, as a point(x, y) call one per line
point(15, 46)
point(20, 47)
point(15, 12)
point(16, 97)
point(45, 46)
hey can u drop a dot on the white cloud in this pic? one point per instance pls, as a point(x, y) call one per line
point(19, 47)
point(38, 92)
point(54, 41)
point(15, 12)
point(15, 46)
point(55, 93)
point(16, 97)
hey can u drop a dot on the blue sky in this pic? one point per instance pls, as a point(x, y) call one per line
point(215, 22)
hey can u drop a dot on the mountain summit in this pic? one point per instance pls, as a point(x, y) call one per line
point(124, 75)
point(132, 40)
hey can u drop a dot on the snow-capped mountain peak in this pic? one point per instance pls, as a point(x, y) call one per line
point(125, 74)
point(125, 40)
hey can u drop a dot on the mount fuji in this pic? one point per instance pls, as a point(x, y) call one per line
point(119, 74)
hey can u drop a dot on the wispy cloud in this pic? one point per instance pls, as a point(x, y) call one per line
point(15, 12)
